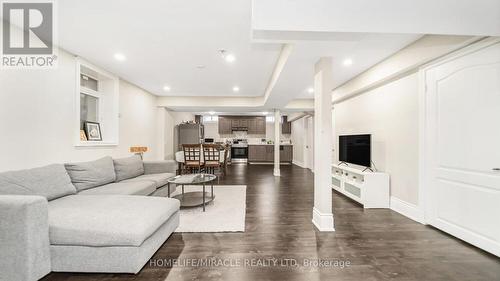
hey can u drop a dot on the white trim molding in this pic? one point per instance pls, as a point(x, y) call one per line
point(426, 49)
point(429, 74)
point(408, 210)
point(424, 192)
point(299, 163)
point(322, 221)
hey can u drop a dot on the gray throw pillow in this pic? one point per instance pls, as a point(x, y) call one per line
point(50, 182)
point(127, 168)
point(91, 174)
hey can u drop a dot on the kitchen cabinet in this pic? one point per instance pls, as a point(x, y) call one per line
point(257, 153)
point(244, 123)
point(270, 153)
point(224, 126)
point(235, 122)
point(286, 153)
point(254, 125)
point(286, 127)
point(265, 153)
point(261, 125)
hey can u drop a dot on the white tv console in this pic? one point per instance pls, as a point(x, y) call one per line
point(371, 189)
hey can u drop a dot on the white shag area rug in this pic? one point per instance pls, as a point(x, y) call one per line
point(226, 213)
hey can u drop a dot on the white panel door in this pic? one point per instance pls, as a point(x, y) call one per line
point(463, 147)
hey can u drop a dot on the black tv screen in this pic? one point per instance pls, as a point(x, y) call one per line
point(355, 149)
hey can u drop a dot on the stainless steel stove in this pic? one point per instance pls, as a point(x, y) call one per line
point(239, 150)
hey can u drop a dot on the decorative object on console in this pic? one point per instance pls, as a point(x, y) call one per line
point(83, 136)
point(93, 131)
point(139, 150)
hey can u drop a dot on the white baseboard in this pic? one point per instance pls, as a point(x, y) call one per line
point(323, 222)
point(277, 173)
point(407, 209)
point(298, 163)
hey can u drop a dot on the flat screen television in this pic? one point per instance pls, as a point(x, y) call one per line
point(355, 149)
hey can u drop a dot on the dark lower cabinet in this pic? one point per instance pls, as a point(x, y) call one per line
point(257, 153)
point(270, 153)
point(265, 153)
point(286, 153)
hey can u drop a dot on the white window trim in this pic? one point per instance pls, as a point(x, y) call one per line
point(213, 118)
point(97, 95)
point(115, 107)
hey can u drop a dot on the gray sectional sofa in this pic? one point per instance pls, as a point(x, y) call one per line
point(108, 215)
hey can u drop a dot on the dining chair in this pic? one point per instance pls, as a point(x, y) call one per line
point(192, 158)
point(211, 157)
point(179, 158)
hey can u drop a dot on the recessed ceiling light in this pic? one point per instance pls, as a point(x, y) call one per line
point(120, 57)
point(230, 58)
point(347, 62)
point(265, 113)
point(310, 90)
point(166, 88)
point(236, 89)
point(211, 112)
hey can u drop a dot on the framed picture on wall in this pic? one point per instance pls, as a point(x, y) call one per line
point(93, 131)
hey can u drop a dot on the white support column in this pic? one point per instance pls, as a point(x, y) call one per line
point(322, 211)
point(277, 134)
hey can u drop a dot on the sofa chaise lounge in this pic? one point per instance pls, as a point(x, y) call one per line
point(108, 215)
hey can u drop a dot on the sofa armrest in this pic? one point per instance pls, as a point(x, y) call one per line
point(158, 167)
point(24, 237)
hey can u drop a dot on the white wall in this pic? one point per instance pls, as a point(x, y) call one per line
point(171, 119)
point(303, 142)
point(299, 141)
point(138, 121)
point(390, 114)
point(37, 115)
point(270, 133)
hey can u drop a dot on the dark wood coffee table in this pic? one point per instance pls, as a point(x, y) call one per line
point(194, 198)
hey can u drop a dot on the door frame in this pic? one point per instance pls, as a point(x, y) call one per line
point(309, 151)
point(426, 157)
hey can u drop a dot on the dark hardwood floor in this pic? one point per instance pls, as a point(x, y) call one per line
point(379, 244)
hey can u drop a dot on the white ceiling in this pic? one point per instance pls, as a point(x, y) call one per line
point(165, 41)
point(365, 50)
point(442, 17)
